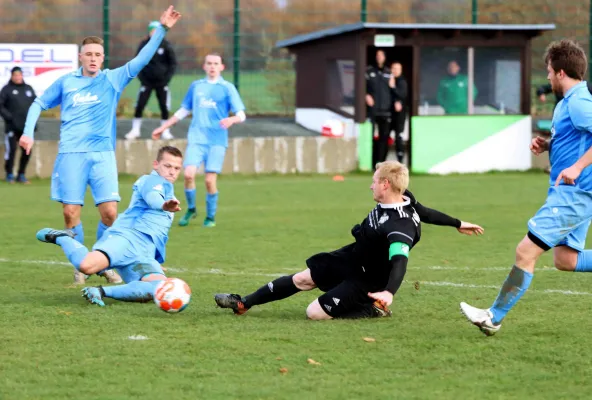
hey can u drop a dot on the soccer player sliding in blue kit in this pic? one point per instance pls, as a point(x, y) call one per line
point(135, 244)
point(86, 152)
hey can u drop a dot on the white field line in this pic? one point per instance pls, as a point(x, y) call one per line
point(214, 271)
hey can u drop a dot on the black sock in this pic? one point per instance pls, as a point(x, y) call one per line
point(277, 290)
point(191, 209)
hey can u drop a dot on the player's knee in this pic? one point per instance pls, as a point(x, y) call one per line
point(86, 266)
point(71, 216)
point(210, 181)
point(526, 252)
point(315, 312)
point(109, 216)
point(189, 176)
point(303, 281)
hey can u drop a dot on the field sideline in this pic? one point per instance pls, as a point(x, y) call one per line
point(54, 345)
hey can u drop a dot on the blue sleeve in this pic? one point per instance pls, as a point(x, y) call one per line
point(236, 104)
point(32, 117)
point(120, 77)
point(187, 102)
point(580, 111)
point(52, 96)
point(153, 191)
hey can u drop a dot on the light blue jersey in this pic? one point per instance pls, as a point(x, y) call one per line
point(210, 103)
point(88, 105)
point(572, 134)
point(140, 217)
point(565, 217)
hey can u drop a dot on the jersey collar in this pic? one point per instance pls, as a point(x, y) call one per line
point(396, 205)
point(574, 88)
point(218, 80)
point(79, 72)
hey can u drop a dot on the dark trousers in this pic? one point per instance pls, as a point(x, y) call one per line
point(162, 95)
point(398, 126)
point(380, 144)
point(11, 140)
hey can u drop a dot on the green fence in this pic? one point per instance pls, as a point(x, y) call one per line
point(245, 32)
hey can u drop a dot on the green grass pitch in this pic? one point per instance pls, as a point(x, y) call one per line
point(53, 345)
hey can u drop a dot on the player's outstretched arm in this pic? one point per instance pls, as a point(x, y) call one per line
point(167, 20)
point(170, 122)
point(120, 77)
point(435, 217)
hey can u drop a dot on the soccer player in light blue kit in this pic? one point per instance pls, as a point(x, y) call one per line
point(86, 153)
point(562, 222)
point(209, 100)
point(135, 244)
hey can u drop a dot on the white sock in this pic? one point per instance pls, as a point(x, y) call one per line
point(136, 124)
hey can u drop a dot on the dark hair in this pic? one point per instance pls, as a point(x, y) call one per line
point(567, 55)
point(16, 69)
point(92, 40)
point(172, 150)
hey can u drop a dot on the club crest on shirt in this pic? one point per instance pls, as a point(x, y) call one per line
point(383, 219)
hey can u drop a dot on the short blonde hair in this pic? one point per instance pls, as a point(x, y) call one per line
point(92, 40)
point(395, 173)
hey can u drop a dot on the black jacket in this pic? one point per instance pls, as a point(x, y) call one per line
point(399, 92)
point(546, 89)
point(377, 86)
point(161, 67)
point(15, 101)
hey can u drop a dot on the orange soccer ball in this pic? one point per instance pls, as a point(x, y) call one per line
point(172, 295)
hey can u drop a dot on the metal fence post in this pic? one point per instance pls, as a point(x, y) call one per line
point(364, 11)
point(106, 32)
point(236, 52)
point(475, 11)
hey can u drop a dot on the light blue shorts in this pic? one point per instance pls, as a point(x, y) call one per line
point(130, 252)
point(211, 156)
point(564, 219)
point(73, 171)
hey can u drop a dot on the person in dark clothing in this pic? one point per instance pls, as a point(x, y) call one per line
point(15, 99)
point(544, 90)
point(360, 279)
point(379, 103)
point(399, 92)
point(155, 76)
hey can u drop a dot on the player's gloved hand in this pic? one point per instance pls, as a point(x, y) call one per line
point(539, 145)
point(385, 296)
point(26, 143)
point(467, 228)
point(171, 205)
point(170, 17)
point(569, 175)
point(355, 231)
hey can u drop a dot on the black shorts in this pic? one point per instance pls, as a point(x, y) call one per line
point(346, 296)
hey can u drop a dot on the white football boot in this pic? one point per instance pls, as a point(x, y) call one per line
point(112, 276)
point(79, 277)
point(481, 318)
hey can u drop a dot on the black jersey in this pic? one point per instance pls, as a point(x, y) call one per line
point(386, 224)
